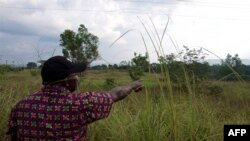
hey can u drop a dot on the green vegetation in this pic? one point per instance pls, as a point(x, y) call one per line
point(4, 69)
point(81, 46)
point(162, 111)
point(139, 65)
point(31, 65)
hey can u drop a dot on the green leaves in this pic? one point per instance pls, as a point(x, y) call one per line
point(139, 64)
point(80, 46)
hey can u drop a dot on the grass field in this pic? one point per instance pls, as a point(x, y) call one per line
point(161, 112)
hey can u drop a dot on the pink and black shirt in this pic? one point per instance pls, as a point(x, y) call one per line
point(55, 114)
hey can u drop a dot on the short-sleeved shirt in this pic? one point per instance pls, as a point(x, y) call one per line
point(56, 114)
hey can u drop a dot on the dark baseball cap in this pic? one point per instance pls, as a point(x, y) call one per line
point(58, 68)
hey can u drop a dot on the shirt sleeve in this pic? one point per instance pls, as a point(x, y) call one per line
point(94, 106)
point(12, 121)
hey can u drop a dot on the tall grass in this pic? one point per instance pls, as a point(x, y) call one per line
point(152, 114)
point(175, 115)
point(144, 117)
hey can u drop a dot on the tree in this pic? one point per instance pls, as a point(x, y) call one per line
point(81, 46)
point(191, 59)
point(115, 66)
point(100, 67)
point(4, 69)
point(235, 63)
point(123, 65)
point(31, 65)
point(192, 55)
point(139, 64)
point(168, 59)
point(140, 61)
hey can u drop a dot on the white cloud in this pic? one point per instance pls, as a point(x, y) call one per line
point(220, 28)
point(215, 25)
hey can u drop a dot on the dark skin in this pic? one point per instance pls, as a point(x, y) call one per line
point(71, 86)
point(120, 92)
point(71, 82)
point(117, 93)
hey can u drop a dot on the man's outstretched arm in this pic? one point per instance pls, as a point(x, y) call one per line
point(119, 93)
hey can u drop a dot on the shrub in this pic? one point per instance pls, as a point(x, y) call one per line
point(215, 90)
point(135, 72)
point(4, 68)
point(110, 82)
point(34, 72)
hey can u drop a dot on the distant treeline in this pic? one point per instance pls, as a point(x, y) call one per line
point(230, 69)
point(201, 70)
point(191, 65)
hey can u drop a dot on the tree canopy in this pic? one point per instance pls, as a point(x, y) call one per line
point(138, 65)
point(80, 46)
point(31, 65)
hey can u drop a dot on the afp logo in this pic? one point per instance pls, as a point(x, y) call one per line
point(236, 132)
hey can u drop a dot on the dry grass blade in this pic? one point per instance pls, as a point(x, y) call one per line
point(121, 36)
point(143, 39)
point(149, 37)
point(174, 43)
point(158, 44)
point(54, 50)
point(165, 29)
point(155, 30)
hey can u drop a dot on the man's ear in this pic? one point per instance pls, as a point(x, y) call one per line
point(66, 84)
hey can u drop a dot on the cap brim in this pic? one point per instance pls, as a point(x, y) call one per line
point(78, 67)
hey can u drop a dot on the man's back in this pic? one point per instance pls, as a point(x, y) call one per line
point(56, 114)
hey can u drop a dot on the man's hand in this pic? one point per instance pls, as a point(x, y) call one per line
point(137, 85)
point(118, 93)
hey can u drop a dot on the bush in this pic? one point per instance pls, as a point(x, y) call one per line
point(135, 72)
point(208, 88)
point(110, 82)
point(215, 90)
point(4, 69)
point(34, 72)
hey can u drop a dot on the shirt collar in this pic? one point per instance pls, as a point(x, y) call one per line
point(55, 90)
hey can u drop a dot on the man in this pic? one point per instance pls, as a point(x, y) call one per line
point(55, 112)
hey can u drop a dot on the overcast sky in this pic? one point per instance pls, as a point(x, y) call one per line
point(32, 27)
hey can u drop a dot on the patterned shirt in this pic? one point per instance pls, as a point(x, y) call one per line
point(55, 114)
